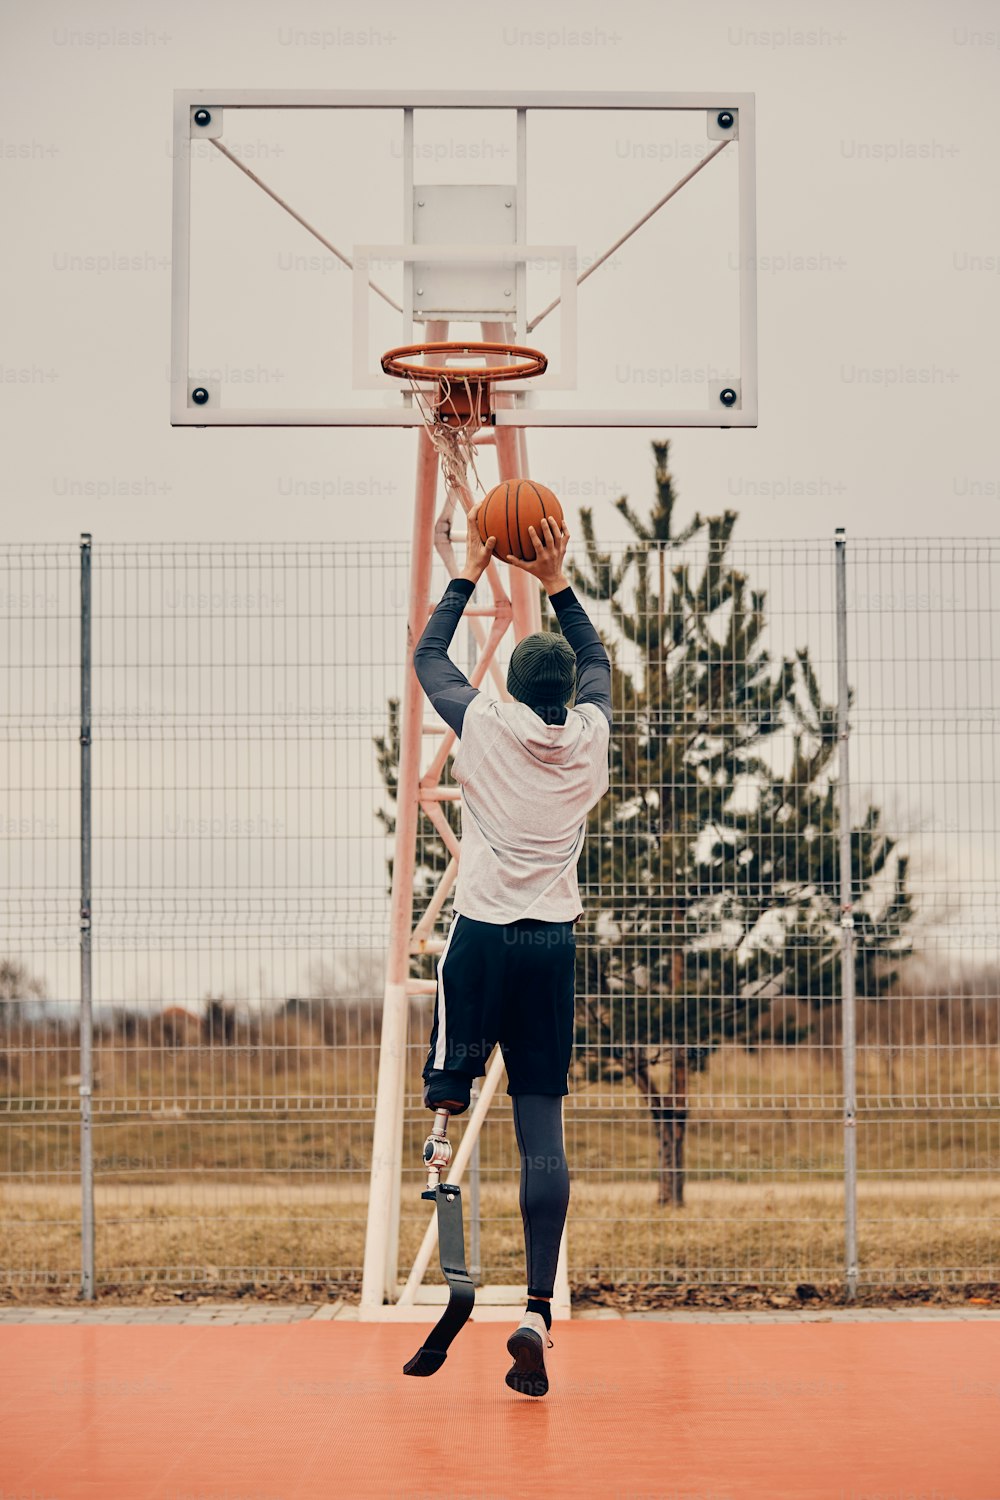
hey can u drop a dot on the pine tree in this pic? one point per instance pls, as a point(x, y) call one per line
point(711, 878)
point(19, 990)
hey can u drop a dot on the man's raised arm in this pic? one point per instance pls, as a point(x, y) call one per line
point(449, 690)
point(593, 667)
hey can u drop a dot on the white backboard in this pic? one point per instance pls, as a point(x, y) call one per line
point(314, 230)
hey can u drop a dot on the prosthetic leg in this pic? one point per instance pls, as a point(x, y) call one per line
point(451, 1244)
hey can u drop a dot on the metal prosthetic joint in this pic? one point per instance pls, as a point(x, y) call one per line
point(437, 1151)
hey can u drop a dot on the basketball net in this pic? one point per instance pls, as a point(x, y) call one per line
point(453, 444)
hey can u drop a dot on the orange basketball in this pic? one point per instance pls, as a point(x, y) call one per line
point(507, 512)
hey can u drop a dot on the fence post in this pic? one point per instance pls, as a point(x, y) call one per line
point(846, 932)
point(86, 1011)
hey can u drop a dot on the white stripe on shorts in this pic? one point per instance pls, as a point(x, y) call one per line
point(440, 1051)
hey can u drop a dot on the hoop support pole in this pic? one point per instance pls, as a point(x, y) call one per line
point(382, 1238)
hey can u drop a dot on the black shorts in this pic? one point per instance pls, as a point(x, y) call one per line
point(511, 983)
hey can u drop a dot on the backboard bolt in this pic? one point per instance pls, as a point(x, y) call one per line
point(728, 396)
point(725, 122)
point(508, 204)
point(507, 291)
point(420, 291)
point(420, 202)
point(199, 395)
point(202, 117)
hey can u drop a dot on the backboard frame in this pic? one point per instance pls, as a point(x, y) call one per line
point(184, 414)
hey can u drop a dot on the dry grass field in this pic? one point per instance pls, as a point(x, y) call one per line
point(243, 1161)
point(205, 1235)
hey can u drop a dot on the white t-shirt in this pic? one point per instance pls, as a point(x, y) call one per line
point(527, 788)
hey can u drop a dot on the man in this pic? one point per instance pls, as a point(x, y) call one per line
point(530, 771)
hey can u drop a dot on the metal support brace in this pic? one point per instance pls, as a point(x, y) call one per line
point(424, 792)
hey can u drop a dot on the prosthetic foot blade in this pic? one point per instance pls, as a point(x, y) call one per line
point(461, 1292)
point(425, 1361)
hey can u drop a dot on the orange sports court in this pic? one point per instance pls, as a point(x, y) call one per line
point(807, 1411)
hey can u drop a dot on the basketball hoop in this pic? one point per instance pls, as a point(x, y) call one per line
point(458, 402)
point(464, 391)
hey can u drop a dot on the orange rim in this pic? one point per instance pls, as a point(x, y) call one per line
point(401, 362)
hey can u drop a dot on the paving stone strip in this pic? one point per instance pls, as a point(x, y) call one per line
point(226, 1314)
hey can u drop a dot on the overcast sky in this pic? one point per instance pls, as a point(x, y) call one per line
point(879, 262)
point(879, 239)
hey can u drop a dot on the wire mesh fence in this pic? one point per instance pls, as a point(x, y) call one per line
point(39, 910)
point(244, 725)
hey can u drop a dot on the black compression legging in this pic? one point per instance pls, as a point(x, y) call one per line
point(544, 1185)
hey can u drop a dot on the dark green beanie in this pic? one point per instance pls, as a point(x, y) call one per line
point(542, 669)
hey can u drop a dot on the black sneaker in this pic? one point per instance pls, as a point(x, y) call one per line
point(527, 1346)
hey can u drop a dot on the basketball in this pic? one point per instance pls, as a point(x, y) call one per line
point(507, 512)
